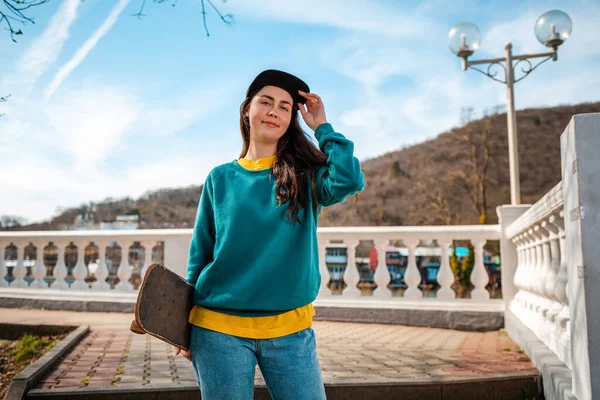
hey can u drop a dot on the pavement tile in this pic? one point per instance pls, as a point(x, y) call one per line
point(349, 352)
point(161, 381)
point(99, 384)
point(70, 382)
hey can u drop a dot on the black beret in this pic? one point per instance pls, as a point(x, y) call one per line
point(283, 80)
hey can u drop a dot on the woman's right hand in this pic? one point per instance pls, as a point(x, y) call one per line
point(186, 354)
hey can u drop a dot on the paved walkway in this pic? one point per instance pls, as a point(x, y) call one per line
point(349, 352)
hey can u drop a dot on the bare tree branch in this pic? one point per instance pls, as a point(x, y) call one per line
point(4, 99)
point(13, 12)
point(227, 18)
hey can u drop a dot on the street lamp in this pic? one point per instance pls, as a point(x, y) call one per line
point(551, 29)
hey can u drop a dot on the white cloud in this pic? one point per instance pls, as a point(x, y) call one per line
point(84, 50)
point(88, 123)
point(177, 111)
point(520, 32)
point(433, 88)
point(356, 15)
point(58, 156)
point(45, 49)
point(46, 184)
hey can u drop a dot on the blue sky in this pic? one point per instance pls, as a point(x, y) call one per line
point(106, 105)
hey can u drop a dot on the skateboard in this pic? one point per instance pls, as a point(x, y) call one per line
point(163, 305)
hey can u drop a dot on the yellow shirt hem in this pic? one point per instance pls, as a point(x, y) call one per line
point(266, 327)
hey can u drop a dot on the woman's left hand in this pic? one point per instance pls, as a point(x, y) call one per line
point(315, 115)
point(187, 354)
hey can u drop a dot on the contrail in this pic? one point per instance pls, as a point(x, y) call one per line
point(44, 50)
point(83, 51)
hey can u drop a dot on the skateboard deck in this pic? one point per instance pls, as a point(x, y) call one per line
point(163, 305)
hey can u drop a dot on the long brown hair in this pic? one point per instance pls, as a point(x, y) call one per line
point(297, 156)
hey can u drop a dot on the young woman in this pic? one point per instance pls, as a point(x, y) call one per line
point(254, 256)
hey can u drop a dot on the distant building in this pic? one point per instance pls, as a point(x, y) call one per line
point(121, 222)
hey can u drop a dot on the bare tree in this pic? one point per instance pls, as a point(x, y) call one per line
point(436, 192)
point(8, 222)
point(475, 181)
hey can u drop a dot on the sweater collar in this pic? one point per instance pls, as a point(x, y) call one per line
point(257, 165)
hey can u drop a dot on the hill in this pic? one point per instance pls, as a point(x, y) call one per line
point(424, 184)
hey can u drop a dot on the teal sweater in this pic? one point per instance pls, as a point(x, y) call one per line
point(246, 258)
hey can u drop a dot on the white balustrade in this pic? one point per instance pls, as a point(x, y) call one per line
point(19, 272)
point(3, 269)
point(124, 271)
point(351, 275)
point(553, 267)
point(445, 275)
point(101, 271)
point(80, 271)
point(177, 241)
point(60, 270)
point(382, 275)
point(323, 289)
point(541, 274)
point(412, 276)
point(148, 245)
point(479, 276)
point(39, 269)
point(561, 288)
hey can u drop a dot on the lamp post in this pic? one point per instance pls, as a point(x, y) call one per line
point(551, 29)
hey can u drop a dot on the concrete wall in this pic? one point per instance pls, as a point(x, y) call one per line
point(580, 149)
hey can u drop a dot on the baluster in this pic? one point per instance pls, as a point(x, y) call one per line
point(533, 285)
point(518, 303)
point(124, 271)
point(351, 276)
point(3, 269)
point(39, 269)
point(102, 271)
point(562, 282)
point(148, 245)
point(445, 275)
point(323, 271)
point(545, 303)
point(60, 270)
point(412, 277)
point(479, 276)
point(537, 256)
point(81, 271)
point(552, 279)
point(382, 276)
point(530, 275)
point(20, 271)
point(517, 278)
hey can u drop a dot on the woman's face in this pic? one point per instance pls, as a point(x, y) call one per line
point(270, 113)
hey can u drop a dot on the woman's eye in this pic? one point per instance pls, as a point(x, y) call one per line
point(265, 102)
point(284, 108)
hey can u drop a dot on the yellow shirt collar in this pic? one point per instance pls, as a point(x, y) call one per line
point(256, 165)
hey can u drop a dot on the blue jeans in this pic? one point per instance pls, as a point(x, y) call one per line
point(224, 365)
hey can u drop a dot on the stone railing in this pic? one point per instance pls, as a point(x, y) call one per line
point(551, 282)
point(175, 245)
point(60, 241)
point(541, 278)
point(411, 237)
